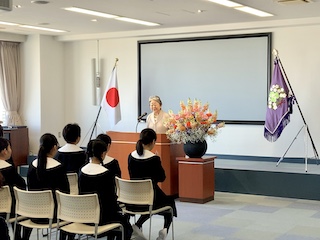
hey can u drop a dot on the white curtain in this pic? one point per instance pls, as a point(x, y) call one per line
point(10, 81)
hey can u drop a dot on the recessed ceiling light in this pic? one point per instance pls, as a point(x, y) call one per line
point(42, 28)
point(107, 15)
point(125, 19)
point(226, 3)
point(254, 11)
point(242, 8)
point(9, 23)
point(90, 12)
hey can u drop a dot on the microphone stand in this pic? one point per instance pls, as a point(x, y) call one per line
point(137, 125)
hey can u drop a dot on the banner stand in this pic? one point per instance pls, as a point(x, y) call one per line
point(305, 126)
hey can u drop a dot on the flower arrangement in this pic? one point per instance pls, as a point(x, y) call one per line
point(193, 123)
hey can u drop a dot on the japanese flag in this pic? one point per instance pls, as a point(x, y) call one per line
point(111, 101)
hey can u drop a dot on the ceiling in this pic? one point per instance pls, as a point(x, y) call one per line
point(168, 13)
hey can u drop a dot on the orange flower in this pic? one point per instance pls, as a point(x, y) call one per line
point(194, 122)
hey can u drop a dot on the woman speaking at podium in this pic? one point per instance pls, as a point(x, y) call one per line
point(156, 119)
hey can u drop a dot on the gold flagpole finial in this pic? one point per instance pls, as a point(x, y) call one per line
point(275, 52)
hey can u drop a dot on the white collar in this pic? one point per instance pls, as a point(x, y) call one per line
point(51, 163)
point(107, 159)
point(4, 164)
point(146, 154)
point(69, 147)
point(93, 169)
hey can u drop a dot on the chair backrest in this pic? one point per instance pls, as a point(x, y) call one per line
point(78, 208)
point(73, 183)
point(34, 204)
point(5, 201)
point(138, 192)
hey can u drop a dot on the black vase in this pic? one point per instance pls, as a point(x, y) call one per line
point(196, 149)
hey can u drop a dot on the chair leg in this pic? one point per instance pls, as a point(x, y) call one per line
point(14, 230)
point(44, 234)
point(150, 227)
point(122, 232)
point(172, 224)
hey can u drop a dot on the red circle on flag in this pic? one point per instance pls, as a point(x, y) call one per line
point(112, 97)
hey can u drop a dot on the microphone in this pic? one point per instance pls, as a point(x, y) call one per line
point(140, 117)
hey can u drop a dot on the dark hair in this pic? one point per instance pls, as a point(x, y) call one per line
point(71, 132)
point(104, 137)
point(147, 136)
point(95, 148)
point(47, 142)
point(4, 143)
point(1, 131)
point(1, 180)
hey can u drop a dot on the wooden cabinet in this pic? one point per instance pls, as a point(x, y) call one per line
point(19, 140)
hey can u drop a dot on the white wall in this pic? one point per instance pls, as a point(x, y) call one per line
point(299, 53)
point(42, 105)
point(30, 107)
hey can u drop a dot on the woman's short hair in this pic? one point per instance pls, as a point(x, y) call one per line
point(155, 98)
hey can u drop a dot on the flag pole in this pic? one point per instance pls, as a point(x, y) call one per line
point(95, 122)
point(296, 101)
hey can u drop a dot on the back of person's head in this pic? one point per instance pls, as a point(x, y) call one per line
point(147, 136)
point(47, 142)
point(4, 143)
point(96, 148)
point(104, 137)
point(71, 132)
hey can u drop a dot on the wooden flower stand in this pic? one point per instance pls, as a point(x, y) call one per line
point(196, 179)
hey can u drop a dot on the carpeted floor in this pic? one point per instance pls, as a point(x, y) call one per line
point(242, 217)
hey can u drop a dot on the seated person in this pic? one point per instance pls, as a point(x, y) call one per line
point(4, 231)
point(144, 164)
point(94, 178)
point(70, 155)
point(46, 173)
point(9, 176)
point(110, 163)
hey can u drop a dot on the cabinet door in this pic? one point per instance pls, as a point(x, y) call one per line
point(19, 140)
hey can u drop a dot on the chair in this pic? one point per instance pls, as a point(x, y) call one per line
point(80, 211)
point(35, 204)
point(139, 192)
point(5, 204)
point(73, 183)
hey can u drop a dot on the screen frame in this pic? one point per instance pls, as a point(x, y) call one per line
point(267, 35)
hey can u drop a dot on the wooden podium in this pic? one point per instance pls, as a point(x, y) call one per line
point(123, 143)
